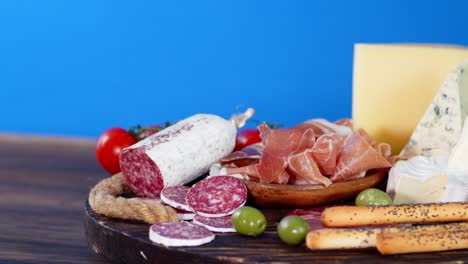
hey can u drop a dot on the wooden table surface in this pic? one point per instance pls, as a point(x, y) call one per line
point(44, 183)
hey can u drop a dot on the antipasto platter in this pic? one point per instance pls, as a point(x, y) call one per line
point(315, 192)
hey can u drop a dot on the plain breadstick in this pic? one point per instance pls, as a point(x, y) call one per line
point(422, 241)
point(348, 238)
point(346, 216)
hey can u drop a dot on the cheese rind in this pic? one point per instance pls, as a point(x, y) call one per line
point(441, 126)
point(426, 180)
point(394, 84)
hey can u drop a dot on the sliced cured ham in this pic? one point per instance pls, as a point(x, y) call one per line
point(315, 152)
point(366, 136)
point(305, 167)
point(322, 126)
point(250, 171)
point(384, 149)
point(326, 152)
point(279, 145)
point(283, 178)
point(345, 122)
point(357, 156)
point(246, 156)
point(265, 131)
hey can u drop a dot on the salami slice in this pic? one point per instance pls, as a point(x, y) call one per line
point(180, 234)
point(177, 154)
point(218, 224)
point(175, 196)
point(184, 215)
point(312, 216)
point(217, 196)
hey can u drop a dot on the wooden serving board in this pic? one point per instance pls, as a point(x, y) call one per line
point(124, 241)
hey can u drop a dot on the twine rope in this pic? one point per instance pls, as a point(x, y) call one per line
point(105, 199)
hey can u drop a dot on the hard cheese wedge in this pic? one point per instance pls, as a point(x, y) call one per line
point(441, 126)
point(394, 84)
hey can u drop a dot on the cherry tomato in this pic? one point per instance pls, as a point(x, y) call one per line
point(247, 137)
point(109, 146)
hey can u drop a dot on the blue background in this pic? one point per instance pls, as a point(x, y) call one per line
point(76, 68)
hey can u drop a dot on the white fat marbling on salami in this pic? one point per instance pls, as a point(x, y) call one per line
point(175, 196)
point(180, 234)
point(177, 154)
point(217, 196)
point(215, 224)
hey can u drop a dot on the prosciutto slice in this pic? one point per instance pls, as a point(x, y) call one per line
point(250, 171)
point(246, 156)
point(315, 152)
point(304, 166)
point(366, 136)
point(326, 152)
point(345, 122)
point(384, 149)
point(279, 145)
point(322, 126)
point(357, 156)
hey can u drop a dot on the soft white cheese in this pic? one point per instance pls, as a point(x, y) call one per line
point(426, 180)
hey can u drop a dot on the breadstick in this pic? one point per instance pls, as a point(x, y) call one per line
point(389, 243)
point(342, 238)
point(346, 216)
point(351, 238)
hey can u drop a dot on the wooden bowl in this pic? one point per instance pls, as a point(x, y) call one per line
point(284, 195)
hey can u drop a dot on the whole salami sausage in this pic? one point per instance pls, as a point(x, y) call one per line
point(179, 153)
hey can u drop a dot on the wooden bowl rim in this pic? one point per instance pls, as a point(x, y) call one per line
point(315, 187)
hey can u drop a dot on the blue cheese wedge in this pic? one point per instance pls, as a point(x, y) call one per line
point(458, 158)
point(440, 128)
point(426, 180)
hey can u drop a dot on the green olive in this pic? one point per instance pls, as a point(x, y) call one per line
point(372, 197)
point(249, 221)
point(293, 229)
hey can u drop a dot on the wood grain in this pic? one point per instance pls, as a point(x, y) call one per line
point(127, 241)
point(43, 183)
point(297, 196)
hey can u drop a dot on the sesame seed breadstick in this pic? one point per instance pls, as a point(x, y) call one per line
point(353, 238)
point(389, 243)
point(347, 216)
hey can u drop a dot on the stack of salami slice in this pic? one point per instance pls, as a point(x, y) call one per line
point(209, 203)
